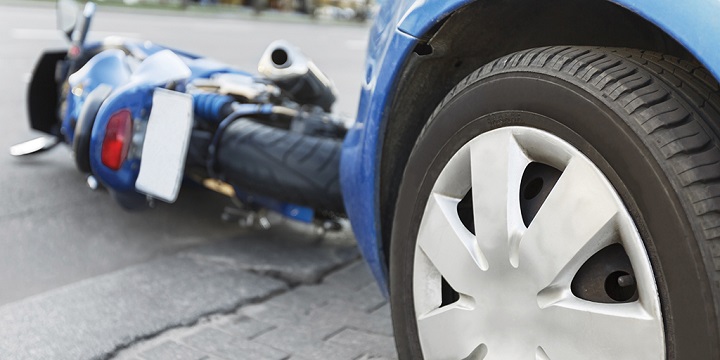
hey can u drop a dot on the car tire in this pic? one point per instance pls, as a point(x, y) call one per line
point(593, 178)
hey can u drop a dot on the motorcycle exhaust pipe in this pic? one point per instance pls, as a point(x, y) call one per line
point(292, 71)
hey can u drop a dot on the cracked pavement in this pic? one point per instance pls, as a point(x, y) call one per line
point(343, 317)
point(279, 294)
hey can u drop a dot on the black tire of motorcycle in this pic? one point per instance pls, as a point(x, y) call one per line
point(612, 105)
point(84, 125)
point(281, 164)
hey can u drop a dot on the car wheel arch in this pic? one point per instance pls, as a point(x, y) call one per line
point(442, 57)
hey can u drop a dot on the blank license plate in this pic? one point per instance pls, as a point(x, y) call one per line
point(166, 145)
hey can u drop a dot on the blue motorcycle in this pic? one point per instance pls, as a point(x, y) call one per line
point(141, 118)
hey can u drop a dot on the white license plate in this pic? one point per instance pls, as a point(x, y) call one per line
point(166, 145)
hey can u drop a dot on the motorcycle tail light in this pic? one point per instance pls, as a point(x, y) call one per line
point(118, 136)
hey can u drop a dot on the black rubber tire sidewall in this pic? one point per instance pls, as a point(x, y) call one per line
point(552, 104)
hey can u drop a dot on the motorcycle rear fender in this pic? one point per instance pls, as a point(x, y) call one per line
point(43, 93)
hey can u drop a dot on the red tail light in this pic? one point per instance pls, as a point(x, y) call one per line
point(118, 135)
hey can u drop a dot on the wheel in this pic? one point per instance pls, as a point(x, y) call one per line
point(562, 203)
point(282, 164)
point(295, 165)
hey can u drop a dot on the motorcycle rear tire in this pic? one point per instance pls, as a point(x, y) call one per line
point(285, 165)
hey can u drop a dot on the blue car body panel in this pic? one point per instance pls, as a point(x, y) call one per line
point(360, 158)
point(693, 23)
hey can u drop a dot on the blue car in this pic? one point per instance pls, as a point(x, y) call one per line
point(541, 179)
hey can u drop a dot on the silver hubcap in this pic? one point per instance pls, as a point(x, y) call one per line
point(512, 281)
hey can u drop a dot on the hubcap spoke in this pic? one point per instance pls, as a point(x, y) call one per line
point(576, 220)
point(497, 163)
point(588, 330)
point(450, 332)
point(449, 245)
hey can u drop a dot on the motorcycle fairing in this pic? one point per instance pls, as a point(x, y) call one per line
point(108, 67)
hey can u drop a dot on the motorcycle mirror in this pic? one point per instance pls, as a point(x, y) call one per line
point(67, 16)
point(34, 146)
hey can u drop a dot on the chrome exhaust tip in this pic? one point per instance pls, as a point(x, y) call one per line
point(282, 59)
point(295, 73)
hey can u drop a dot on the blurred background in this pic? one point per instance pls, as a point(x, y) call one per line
point(358, 10)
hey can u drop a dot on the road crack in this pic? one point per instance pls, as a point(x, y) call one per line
point(291, 284)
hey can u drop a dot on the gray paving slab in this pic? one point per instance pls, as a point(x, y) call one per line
point(351, 338)
point(226, 346)
point(171, 350)
point(246, 327)
point(294, 337)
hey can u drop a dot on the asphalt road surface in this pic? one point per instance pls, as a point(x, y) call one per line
point(54, 230)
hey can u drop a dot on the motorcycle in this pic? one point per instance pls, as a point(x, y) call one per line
point(142, 117)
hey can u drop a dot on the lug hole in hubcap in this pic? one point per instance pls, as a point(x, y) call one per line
point(465, 212)
point(449, 295)
point(535, 186)
point(607, 277)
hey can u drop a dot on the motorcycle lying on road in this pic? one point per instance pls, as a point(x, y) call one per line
point(141, 117)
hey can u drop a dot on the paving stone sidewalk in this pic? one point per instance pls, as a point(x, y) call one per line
point(342, 317)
